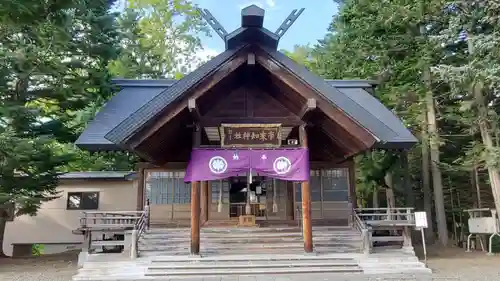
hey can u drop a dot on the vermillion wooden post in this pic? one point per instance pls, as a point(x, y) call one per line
point(195, 218)
point(306, 203)
point(204, 202)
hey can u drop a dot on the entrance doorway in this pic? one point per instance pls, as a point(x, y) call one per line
point(269, 199)
point(240, 192)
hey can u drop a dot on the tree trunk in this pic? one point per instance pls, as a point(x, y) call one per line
point(375, 201)
point(389, 192)
point(3, 223)
point(426, 181)
point(476, 188)
point(437, 180)
point(493, 172)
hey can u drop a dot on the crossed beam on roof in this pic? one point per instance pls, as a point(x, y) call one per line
point(219, 29)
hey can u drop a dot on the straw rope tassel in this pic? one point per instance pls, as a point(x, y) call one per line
point(275, 204)
point(219, 204)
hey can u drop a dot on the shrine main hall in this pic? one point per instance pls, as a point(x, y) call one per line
point(250, 138)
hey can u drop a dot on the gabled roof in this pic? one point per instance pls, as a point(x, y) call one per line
point(136, 93)
point(148, 111)
point(142, 101)
point(364, 109)
point(133, 95)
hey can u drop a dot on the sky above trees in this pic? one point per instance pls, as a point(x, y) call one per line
point(308, 29)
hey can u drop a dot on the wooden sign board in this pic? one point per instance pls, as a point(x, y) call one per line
point(421, 220)
point(251, 135)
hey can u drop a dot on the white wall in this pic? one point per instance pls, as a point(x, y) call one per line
point(54, 224)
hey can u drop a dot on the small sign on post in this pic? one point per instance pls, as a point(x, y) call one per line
point(421, 220)
point(421, 224)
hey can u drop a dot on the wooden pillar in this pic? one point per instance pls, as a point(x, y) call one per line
point(140, 189)
point(204, 201)
point(306, 203)
point(195, 218)
point(352, 184)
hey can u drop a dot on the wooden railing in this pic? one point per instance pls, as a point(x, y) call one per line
point(386, 216)
point(399, 221)
point(99, 220)
point(113, 222)
point(364, 230)
point(140, 226)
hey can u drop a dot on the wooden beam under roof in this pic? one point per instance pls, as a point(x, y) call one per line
point(203, 87)
point(309, 106)
point(193, 109)
point(284, 75)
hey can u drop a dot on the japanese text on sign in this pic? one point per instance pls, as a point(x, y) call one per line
point(250, 135)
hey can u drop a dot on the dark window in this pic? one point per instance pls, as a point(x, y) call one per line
point(83, 201)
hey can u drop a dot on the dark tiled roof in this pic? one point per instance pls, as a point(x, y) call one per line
point(134, 94)
point(116, 175)
point(149, 110)
point(140, 100)
point(351, 83)
point(359, 105)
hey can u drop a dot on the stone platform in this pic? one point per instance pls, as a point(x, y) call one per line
point(252, 252)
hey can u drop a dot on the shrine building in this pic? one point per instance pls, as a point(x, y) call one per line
point(250, 138)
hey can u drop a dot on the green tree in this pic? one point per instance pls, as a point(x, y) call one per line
point(54, 63)
point(382, 41)
point(160, 39)
point(472, 70)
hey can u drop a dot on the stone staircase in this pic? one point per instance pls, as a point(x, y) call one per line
point(233, 251)
point(238, 241)
point(250, 265)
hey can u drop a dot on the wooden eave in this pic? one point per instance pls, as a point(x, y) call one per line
point(181, 104)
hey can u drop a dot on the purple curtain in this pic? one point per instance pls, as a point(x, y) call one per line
point(284, 164)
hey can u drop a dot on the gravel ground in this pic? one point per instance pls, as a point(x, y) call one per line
point(447, 264)
point(58, 267)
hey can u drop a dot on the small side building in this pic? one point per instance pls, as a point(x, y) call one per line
point(53, 225)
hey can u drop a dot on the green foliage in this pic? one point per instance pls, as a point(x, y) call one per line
point(54, 64)
point(300, 54)
point(160, 39)
point(37, 249)
point(396, 43)
point(29, 170)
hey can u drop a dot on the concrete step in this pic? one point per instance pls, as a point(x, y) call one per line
point(251, 248)
point(251, 234)
point(251, 271)
point(184, 252)
point(248, 229)
point(250, 240)
point(410, 270)
point(394, 264)
point(247, 244)
point(259, 258)
point(237, 231)
point(246, 265)
point(248, 237)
